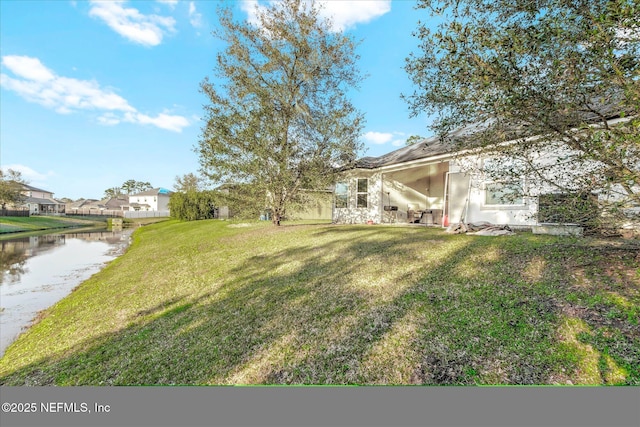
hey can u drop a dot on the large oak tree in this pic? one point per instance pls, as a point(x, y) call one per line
point(555, 76)
point(279, 119)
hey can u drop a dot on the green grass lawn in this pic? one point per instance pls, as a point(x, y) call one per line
point(212, 302)
point(35, 223)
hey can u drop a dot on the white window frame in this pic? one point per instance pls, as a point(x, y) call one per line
point(358, 193)
point(516, 204)
point(345, 194)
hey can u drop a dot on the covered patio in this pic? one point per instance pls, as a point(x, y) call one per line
point(414, 195)
point(38, 206)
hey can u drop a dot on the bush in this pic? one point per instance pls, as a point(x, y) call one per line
point(575, 208)
point(194, 205)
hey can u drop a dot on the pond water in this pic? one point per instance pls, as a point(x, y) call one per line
point(38, 271)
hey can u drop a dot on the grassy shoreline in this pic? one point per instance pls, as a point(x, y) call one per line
point(210, 302)
point(15, 226)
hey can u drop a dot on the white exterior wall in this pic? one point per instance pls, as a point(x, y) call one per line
point(152, 201)
point(354, 215)
point(33, 208)
point(419, 189)
point(516, 214)
point(163, 202)
point(40, 194)
point(419, 185)
point(436, 186)
point(156, 202)
point(519, 215)
point(429, 194)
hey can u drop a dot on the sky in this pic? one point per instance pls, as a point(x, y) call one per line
point(94, 93)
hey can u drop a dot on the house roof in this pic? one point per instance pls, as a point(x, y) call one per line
point(42, 201)
point(428, 147)
point(80, 203)
point(154, 192)
point(436, 145)
point(30, 188)
point(115, 202)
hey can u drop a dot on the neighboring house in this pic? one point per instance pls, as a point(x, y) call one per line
point(81, 205)
point(118, 203)
point(426, 183)
point(40, 202)
point(319, 206)
point(93, 206)
point(156, 199)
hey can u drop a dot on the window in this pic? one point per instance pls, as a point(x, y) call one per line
point(342, 195)
point(501, 193)
point(502, 186)
point(362, 193)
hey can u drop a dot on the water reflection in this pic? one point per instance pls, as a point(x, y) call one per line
point(15, 253)
point(38, 271)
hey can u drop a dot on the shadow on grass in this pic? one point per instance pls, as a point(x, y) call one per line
point(338, 307)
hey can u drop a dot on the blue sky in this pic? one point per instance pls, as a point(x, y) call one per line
point(94, 93)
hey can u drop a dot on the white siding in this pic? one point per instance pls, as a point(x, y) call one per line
point(163, 202)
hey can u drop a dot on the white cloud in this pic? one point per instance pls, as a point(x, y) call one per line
point(347, 14)
point(378, 137)
point(252, 8)
point(29, 68)
point(65, 95)
point(401, 141)
point(147, 30)
point(162, 120)
point(171, 3)
point(343, 14)
point(195, 18)
point(28, 174)
point(109, 119)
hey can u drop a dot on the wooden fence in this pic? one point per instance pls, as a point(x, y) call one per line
point(13, 212)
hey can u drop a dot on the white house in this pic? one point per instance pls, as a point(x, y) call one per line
point(40, 202)
point(156, 199)
point(417, 183)
point(429, 183)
